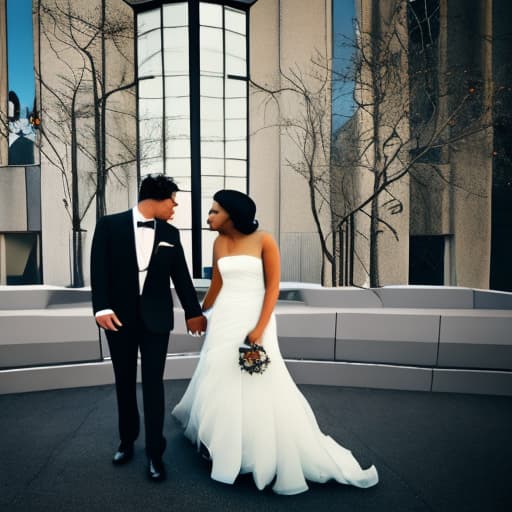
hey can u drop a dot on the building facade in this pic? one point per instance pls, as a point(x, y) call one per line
point(245, 95)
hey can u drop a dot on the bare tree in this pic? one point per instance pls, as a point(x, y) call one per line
point(401, 123)
point(75, 134)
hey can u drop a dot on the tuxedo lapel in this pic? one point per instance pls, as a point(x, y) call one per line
point(130, 256)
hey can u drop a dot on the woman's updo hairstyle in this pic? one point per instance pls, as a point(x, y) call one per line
point(241, 209)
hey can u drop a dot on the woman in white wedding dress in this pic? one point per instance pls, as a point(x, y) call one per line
point(257, 423)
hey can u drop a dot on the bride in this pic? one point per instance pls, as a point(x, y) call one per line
point(254, 423)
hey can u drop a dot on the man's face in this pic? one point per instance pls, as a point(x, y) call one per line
point(217, 216)
point(165, 208)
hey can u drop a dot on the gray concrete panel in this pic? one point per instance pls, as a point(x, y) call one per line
point(13, 211)
point(472, 381)
point(390, 352)
point(306, 325)
point(81, 375)
point(307, 348)
point(478, 329)
point(33, 181)
point(28, 329)
point(398, 326)
point(360, 375)
point(341, 298)
point(183, 343)
point(471, 355)
point(17, 298)
point(37, 354)
point(73, 297)
point(56, 377)
point(41, 297)
point(387, 338)
point(439, 297)
point(492, 299)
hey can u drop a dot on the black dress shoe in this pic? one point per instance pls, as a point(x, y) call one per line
point(123, 455)
point(204, 452)
point(156, 470)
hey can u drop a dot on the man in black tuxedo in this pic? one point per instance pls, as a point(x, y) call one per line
point(134, 256)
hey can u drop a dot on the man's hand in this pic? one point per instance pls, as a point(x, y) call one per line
point(109, 322)
point(197, 325)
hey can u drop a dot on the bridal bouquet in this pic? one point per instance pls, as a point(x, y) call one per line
point(252, 358)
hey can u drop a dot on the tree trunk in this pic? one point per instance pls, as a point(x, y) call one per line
point(77, 279)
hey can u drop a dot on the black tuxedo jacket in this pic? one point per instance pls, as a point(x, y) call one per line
point(115, 281)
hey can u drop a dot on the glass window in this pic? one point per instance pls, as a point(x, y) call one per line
point(211, 52)
point(22, 259)
point(168, 126)
point(149, 54)
point(175, 15)
point(343, 106)
point(149, 20)
point(176, 51)
point(210, 14)
point(21, 82)
point(235, 21)
point(235, 54)
point(236, 168)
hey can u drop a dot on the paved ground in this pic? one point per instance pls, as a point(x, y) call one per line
point(434, 452)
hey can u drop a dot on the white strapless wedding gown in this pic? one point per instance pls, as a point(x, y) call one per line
point(256, 423)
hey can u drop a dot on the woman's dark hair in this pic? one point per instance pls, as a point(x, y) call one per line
point(241, 209)
point(157, 186)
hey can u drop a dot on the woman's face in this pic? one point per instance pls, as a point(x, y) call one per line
point(217, 217)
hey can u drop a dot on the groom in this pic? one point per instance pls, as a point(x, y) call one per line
point(134, 256)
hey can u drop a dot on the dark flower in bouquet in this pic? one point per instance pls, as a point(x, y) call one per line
point(252, 358)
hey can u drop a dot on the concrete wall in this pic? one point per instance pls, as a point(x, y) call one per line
point(351, 338)
point(285, 36)
point(56, 156)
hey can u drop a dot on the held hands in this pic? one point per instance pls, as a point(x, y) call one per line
point(196, 326)
point(109, 322)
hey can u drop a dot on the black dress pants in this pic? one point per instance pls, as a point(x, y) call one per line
point(124, 346)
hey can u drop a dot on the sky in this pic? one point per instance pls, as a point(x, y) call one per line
point(21, 50)
point(342, 26)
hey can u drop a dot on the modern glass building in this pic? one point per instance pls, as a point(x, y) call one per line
point(192, 110)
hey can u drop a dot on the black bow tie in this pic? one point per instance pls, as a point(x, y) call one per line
point(147, 224)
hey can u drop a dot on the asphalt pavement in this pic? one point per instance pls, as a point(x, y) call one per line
point(433, 451)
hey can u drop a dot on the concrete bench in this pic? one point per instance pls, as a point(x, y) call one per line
point(394, 337)
point(482, 341)
point(437, 297)
point(44, 337)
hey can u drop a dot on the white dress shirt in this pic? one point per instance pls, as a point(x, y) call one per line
point(144, 241)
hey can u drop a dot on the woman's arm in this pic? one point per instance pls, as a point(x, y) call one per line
point(216, 282)
point(272, 273)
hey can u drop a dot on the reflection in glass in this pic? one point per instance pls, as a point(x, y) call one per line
point(147, 21)
point(21, 82)
point(149, 54)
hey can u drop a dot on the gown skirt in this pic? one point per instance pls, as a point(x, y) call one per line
point(260, 424)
